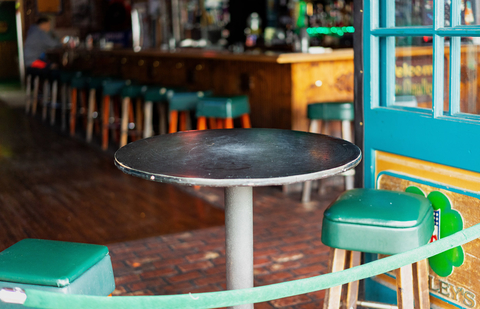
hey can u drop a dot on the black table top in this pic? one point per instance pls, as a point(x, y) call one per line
point(237, 157)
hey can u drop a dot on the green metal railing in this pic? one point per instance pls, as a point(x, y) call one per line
point(42, 299)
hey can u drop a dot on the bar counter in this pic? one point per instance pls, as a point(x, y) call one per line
point(279, 85)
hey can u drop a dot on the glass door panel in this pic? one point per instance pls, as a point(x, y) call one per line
point(469, 78)
point(413, 72)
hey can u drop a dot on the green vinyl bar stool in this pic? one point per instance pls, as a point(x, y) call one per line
point(180, 104)
point(31, 88)
point(110, 89)
point(56, 266)
point(94, 85)
point(50, 88)
point(78, 84)
point(382, 222)
point(65, 80)
point(160, 95)
point(320, 116)
point(128, 93)
point(38, 76)
point(224, 109)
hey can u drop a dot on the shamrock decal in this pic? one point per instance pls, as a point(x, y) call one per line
point(447, 222)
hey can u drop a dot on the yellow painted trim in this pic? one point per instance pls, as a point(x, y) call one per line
point(446, 175)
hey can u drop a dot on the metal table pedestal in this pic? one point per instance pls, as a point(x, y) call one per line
point(239, 239)
point(237, 160)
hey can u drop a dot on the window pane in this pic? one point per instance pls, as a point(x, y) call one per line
point(413, 12)
point(469, 15)
point(414, 73)
point(420, 12)
point(469, 79)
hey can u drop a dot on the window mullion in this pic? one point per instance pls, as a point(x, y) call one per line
point(372, 8)
point(455, 65)
point(438, 58)
point(390, 55)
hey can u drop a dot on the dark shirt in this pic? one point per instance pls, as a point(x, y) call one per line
point(37, 43)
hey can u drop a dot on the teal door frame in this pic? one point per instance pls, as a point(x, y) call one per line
point(450, 138)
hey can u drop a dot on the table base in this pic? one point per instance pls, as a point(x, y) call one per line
point(239, 239)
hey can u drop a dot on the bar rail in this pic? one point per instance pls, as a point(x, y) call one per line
point(42, 299)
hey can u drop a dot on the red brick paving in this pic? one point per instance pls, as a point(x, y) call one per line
point(287, 246)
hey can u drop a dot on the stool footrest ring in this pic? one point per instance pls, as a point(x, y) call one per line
point(375, 305)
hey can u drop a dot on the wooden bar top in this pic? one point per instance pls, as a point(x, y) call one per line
point(272, 57)
point(279, 85)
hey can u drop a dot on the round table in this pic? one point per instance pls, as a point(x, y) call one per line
point(237, 159)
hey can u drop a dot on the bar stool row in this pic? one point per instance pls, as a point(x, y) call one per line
point(134, 117)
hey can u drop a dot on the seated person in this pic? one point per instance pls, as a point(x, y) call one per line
point(39, 40)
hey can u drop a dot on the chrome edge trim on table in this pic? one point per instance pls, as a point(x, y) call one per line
point(236, 182)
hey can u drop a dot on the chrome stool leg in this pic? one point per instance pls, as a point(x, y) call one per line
point(64, 103)
point(147, 110)
point(28, 103)
point(36, 84)
point(46, 94)
point(53, 102)
point(91, 104)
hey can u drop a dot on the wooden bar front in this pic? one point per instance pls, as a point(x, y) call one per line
point(279, 86)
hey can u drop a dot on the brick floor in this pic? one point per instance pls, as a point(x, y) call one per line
point(287, 246)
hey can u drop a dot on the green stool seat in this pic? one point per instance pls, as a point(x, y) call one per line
point(114, 87)
point(223, 107)
point(382, 222)
point(57, 266)
point(132, 91)
point(331, 111)
point(79, 81)
point(378, 221)
point(66, 76)
point(157, 94)
point(185, 101)
point(96, 82)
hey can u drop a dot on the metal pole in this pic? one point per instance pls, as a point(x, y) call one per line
point(164, 24)
point(358, 86)
point(176, 22)
point(136, 32)
point(239, 239)
point(21, 59)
